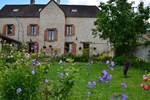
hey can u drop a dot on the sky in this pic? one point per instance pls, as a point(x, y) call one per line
point(75, 2)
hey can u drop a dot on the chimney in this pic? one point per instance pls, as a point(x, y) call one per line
point(32, 2)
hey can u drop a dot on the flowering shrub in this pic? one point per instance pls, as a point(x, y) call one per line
point(65, 83)
point(145, 86)
point(20, 81)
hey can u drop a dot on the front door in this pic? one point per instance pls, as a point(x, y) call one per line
point(86, 49)
point(70, 48)
point(32, 47)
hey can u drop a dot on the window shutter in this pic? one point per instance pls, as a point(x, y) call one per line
point(46, 35)
point(4, 29)
point(73, 30)
point(37, 29)
point(65, 30)
point(28, 30)
point(56, 35)
point(74, 48)
point(13, 29)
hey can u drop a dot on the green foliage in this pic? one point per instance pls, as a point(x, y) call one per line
point(81, 58)
point(135, 62)
point(66, 80)
point(118, 22)
point(19, 75)
point(146, 43)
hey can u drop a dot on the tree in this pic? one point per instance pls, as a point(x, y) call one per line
point(120, 24)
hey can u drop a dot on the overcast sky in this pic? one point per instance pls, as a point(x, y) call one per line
point(81, 2)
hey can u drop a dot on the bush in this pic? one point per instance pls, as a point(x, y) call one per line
point(135, 62)
point(81, 58)
point(20, 81)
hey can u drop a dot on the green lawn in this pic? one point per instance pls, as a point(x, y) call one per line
point(102, 91)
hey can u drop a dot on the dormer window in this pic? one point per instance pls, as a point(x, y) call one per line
point(40, 9)
point(74, 10)
point(15, 10)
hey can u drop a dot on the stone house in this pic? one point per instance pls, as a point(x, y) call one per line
point(58, 28)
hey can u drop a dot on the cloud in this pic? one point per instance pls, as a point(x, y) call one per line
point(96, 2)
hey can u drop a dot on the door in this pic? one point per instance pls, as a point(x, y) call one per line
point(86, 49)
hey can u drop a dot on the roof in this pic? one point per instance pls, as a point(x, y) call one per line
point(8, 39)
point(34, 10)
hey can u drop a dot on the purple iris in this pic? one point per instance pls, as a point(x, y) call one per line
point(105, 78)
point(124, 85)
point(33, 71)
point(107, 62)
point(19, 90)
point(46, 80)
point(91, 84)
point(37, 63)
point(104, 72)
point(124, 97)
point(35, 47)
point(112, 63)
point(111, 68)
point(61, 75)
point(88, 93)
point(33, 63)
point(94, 83)
point(32, 48)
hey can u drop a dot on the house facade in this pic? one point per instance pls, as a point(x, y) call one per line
point(57, 28)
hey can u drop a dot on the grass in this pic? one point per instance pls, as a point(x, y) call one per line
point(102, 91)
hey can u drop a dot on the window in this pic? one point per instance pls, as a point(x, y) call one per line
point(70, 30)
point(15, 10)
point(9, 29)
point(74, 10)
point(51, 35)
point(33, 29)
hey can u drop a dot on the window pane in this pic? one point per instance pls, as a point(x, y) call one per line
point(33, 29)
point(51, 35)
point(69, 30)
point(9, 29)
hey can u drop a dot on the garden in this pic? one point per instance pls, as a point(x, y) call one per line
point(25, 76)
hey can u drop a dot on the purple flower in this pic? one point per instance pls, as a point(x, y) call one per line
point(33, 71)
point(112, 63)
point(105, 78)
point(90, 84)
point(123, 85)
point(19, 90)
point(94, 83)
point(37, 62)
point(88, 93)
point(113, 98)
point(33, 63)
point(124, 97)
point(61, 75)
point(104, 72)
point(111, 68)
point(32, 48)
point(109, 77)
point(35, 47)
point(107, 62)
point(46, 80)
point(100, 79)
